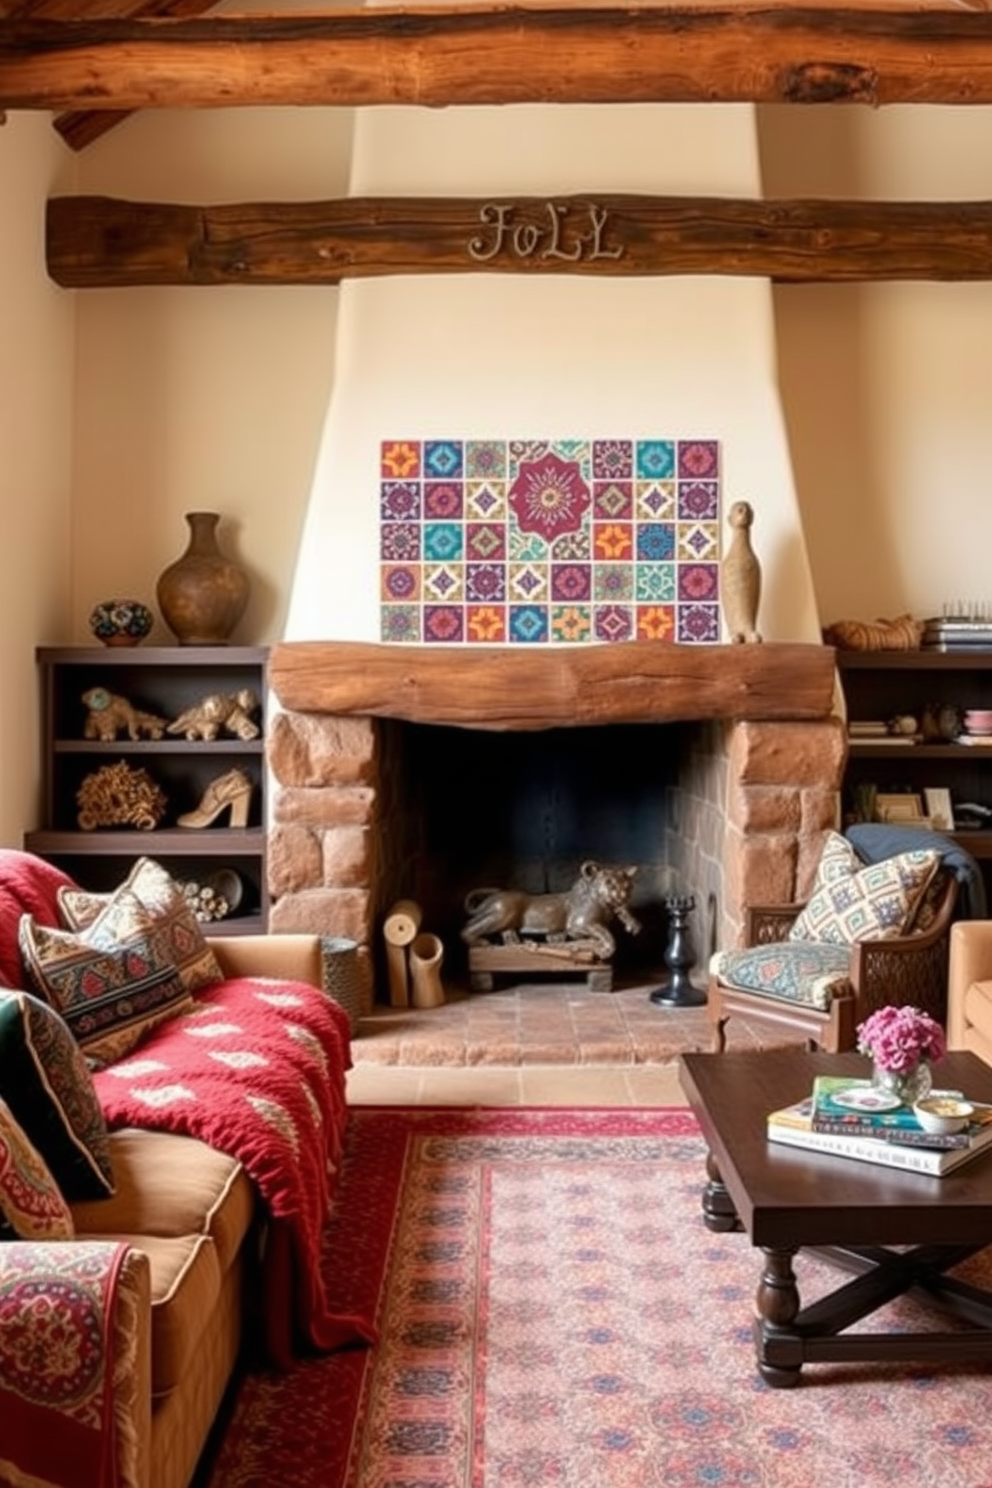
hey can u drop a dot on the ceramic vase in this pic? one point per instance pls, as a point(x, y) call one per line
point(908, 1085)
point(203, 594)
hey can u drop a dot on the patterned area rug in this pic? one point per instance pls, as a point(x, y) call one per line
point(553, 1312)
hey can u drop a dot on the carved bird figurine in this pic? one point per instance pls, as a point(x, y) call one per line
point(740, 577)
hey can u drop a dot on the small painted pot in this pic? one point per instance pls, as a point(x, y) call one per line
point(120, 622)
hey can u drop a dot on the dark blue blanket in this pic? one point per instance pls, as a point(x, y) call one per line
point(873, 841)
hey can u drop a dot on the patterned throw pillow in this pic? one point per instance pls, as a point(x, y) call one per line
point(164, 899)
point(874, 901)
point(46, 1084)
point(838, 861)
point(30, 1200)
point(112, 982)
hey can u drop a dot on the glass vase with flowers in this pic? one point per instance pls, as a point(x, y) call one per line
point(903, 1043)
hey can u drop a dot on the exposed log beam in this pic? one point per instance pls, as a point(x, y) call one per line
point(82, 127)
point(97, 241)
point(491, 55)
point(521, 687)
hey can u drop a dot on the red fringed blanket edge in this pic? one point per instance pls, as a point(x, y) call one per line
point(57, 1362)
point(257, 1070)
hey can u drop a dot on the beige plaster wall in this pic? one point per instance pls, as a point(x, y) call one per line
point(497, 355)
point(886, 386)
point(202, 399)
point(36, 391)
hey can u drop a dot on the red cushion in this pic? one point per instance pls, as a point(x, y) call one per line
point(28, 885)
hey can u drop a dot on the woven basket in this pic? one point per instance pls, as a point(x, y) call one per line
point(342, 975)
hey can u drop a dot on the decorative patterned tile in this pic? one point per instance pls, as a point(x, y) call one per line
point(549, 541)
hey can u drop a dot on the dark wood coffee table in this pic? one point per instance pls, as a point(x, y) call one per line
point(897, 1231)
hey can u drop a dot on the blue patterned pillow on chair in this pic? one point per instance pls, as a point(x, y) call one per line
point(853, 901)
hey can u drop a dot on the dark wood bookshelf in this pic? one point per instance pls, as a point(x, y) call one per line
point(884, 684)
point(164, 680)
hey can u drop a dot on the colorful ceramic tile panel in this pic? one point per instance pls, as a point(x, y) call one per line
point(533, 542)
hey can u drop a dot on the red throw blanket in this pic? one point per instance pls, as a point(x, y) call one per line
point(257, 1070)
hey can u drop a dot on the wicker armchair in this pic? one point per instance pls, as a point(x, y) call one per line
point(867, 975)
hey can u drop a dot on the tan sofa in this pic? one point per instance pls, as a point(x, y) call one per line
point(969, 993)
point(189, 1215)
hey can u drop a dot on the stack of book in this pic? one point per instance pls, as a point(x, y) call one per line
point(876, 731)
point(958, 633)
point(838, 1118)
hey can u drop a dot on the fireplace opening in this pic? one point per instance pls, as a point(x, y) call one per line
point(425, 772)
point(467, 809)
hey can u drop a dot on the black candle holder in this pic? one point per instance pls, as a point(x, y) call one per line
point(680, 957)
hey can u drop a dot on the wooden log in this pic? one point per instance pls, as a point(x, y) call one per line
point(519, 687)
point(96, 241)
point(399, 931)
point(426, 958)
point(446, 55)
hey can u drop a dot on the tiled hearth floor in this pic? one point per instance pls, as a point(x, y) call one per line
point(542, 1044)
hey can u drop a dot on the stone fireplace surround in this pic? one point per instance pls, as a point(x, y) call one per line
point(760, 781)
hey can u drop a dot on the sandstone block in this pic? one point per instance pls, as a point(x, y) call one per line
point(765, 808)
point(344, 912)
point(804, 754)
point(294, 860)
point(347, 857)
point(307, 749)
point(763, 870)
point(820, 811)
point(327, 806)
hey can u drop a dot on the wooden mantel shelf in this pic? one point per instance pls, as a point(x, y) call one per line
point(504, 688)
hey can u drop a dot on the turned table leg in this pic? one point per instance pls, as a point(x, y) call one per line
point(779, 1350)
point(718, 1207)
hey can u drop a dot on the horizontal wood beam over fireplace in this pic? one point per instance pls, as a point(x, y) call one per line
point(554, 686)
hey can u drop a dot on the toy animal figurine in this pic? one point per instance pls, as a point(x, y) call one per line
point(218, 711)
point(598, 895)
point(108, 714)
point(740, 578)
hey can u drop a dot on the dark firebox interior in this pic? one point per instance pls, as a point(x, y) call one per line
point(525, 810)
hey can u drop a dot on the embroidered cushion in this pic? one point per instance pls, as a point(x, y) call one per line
point(838, 861)
point(49, 1089)
point(808, 972)
point(112, 982)
point(873, 901)
point(30, 1200)
point(164, 900)
point(930, 905)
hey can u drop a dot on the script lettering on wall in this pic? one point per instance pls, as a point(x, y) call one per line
point(571, 233)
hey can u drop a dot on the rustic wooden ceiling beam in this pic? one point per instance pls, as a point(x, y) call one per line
point(82, 127)
point(445, 55)
point(95, 241)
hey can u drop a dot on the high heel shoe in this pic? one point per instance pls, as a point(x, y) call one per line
point(232, 789)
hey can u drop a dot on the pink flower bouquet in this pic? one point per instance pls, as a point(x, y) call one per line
point(898, 1039)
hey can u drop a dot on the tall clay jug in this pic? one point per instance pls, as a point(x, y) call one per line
point(202, 596)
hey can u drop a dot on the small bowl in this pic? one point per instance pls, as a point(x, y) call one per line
point(120, 622)
point(978, 718)
point(943, 1114)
